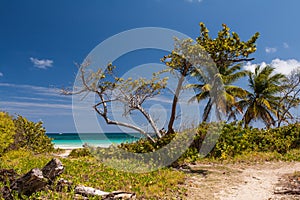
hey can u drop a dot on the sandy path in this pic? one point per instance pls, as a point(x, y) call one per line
point(64, 154)
point(259, 182)
point(239, 182)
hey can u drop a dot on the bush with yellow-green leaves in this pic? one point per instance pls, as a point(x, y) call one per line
point(20, 133)
point(7, 131)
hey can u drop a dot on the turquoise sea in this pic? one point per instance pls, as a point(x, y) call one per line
point(75, 140)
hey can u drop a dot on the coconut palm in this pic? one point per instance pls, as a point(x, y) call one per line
point(263, 101)
point(220, 92)
point(228, 52)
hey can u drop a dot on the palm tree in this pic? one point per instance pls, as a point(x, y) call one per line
point(262, 102)
point(228, 52)
point(220, 92)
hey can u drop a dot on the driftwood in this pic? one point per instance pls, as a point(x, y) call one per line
point(122, 195)
point(53, 169)
point(8, 175)
point(6, 193)
point(64, 185)
point(30, 183)
point(36, 180)
point(89, 191)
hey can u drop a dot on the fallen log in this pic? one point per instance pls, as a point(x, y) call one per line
point(36, 180)
point(6, 193)
point(30, 183)
point(64, 185)
point(89, 191)
point(123, 195)
point(8, 176)
point(53, 169)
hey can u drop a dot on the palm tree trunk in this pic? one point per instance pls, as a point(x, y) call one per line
point(207, 110)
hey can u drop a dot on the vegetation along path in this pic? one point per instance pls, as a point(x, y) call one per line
point(239, 181)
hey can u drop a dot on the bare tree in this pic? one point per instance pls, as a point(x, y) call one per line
point(131, 93)
point(290, 97)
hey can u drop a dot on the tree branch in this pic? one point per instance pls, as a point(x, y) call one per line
point(111, 122)
point(150, 120)
point(242, 60)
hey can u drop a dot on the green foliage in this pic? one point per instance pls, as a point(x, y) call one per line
point(22, 161)
point(144, 145)
point(263, 101)
point(20, 133)
point(228, 52)
point(31, 136)
point(235, 140)
point(215, 75)
point(145, 155)
point(227, 48)
point(82, 152)
point(7, 131)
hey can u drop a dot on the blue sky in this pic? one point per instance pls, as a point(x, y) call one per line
point(41, 40)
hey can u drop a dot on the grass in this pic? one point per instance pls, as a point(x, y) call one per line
point(167, 183)
point(89, 172)
point(255, 157)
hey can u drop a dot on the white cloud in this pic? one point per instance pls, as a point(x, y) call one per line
point(35, 104)
point(30, 100)
point(270, 50)
point(281, 66)
point(46, 91)
point(286, 45)
point(251, 67)
point(194, 1)
point(285, 66)
point(41, 64)
point(1, 74)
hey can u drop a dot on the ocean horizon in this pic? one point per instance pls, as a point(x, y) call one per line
point(76, 140)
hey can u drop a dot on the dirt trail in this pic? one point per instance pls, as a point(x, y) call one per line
point(64, 154)
point(239, 182)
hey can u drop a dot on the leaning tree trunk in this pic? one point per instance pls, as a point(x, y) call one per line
point(176, 97)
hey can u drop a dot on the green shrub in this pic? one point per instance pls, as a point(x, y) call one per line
point(31, 136)
point(142, 152)
point(144, 145)
point(236, 140)
point(7, 131)
point(82, 152)
point(232, 140)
